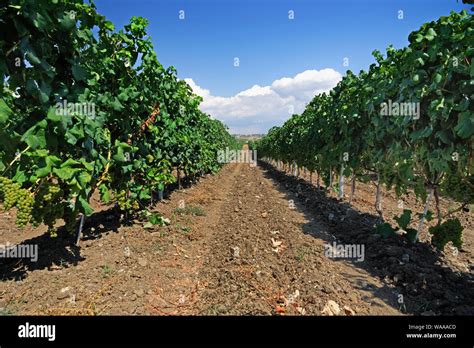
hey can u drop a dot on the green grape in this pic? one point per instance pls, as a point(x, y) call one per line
point(15, 196)
point(25, 208)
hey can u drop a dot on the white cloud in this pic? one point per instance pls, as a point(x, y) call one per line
point(258, 108)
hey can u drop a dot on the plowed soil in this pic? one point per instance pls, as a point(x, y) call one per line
point(246, 241)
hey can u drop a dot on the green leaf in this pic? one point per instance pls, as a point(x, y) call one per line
point(53, 161)
point(465, 126)
point(119, 156)
point(109, 25)
point(64, 173)
point(117, 106)
point(104, 193)
point(86, 208)
point(84, 179)
point(79, 73)
point(5, 111)
point(431, 34)
point(77, 131)
point(422, 133)
point(42, 172)
point(385, 230)
point(20, 176)
point(53, 116)
point(35, 136)
point(68, 21)
point(404, 220)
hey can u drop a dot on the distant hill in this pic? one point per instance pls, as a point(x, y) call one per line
point(252, 137)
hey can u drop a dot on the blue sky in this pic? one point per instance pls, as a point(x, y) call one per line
point(271, 47)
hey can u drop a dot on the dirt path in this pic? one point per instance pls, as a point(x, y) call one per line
point(250, 272)
point(240, 242)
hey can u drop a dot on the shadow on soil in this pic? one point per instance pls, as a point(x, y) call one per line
point(61, 251)
point(415, 271)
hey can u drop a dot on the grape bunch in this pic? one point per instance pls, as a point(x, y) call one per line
point(48, 206)
point(125, 203)
point(122, 201)
point(10, 192)
point(25, 203)
point(13, 195)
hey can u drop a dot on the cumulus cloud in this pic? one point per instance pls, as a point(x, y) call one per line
point(258, 108)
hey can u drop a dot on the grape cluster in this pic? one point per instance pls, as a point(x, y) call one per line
point(13, 195)
point(124, 202)
point(24, 205)
point(48, 207)
point(49, 192)
point(10, 192)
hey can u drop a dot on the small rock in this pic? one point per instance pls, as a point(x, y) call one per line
point(348, 310)
point(276, 243)
point(327, 289)
point(62, 296)
point(235, 252)
point(331, 216)
point(64, 293)
point(139, 292)
point(221, 309)
point(331, 308)
point(142, 262)
point(264, 214)
point(236, 209)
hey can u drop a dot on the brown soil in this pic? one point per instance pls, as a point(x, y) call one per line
point(221, 255)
